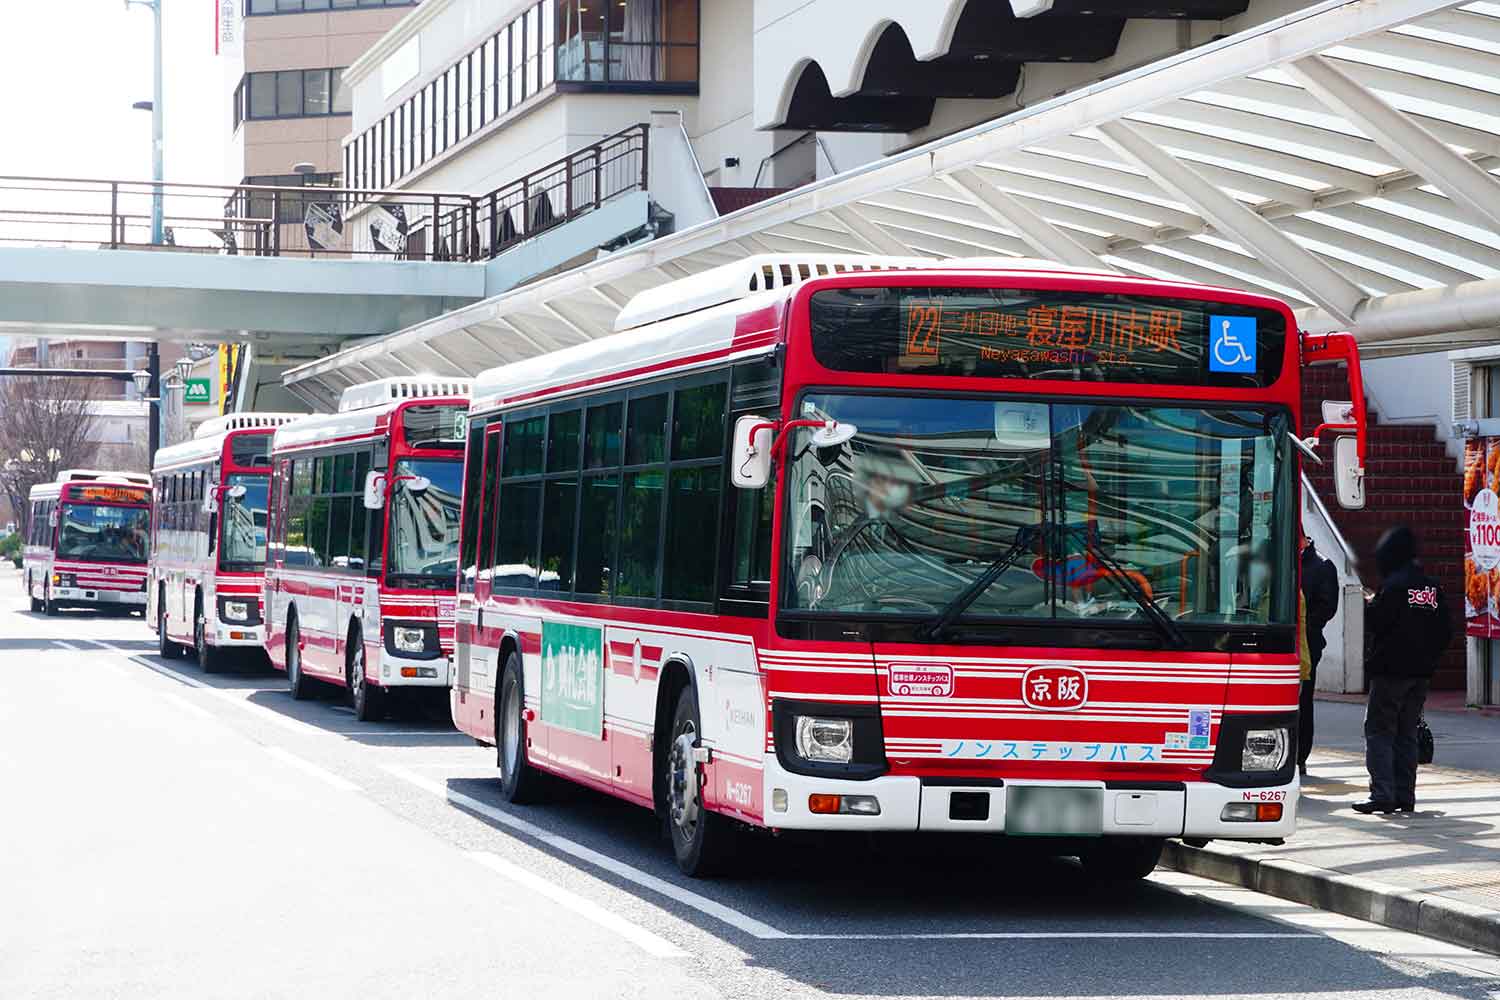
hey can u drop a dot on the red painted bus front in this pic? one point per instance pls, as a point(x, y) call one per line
point(88, 544)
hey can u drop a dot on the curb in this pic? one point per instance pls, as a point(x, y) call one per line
point(1449, 920)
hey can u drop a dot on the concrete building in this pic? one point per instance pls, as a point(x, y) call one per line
point(283, 85)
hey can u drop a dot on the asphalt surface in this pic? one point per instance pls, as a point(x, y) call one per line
point(169, 834)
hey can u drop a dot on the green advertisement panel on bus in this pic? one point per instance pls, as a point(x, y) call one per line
point(573, 677)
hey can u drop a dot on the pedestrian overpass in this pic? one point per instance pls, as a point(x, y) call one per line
point(1341, 157)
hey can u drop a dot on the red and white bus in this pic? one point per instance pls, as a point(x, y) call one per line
point(364, 541)
point(208, 546)
point(856, 544)
point(87, 541)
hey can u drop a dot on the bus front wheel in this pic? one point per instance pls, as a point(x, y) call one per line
point(36, 604)
point(168, 649)
point(296, 682)
point(519, 781)
point(208, 656)
point(1122, 859)
point(366, 698)
point(703, 841)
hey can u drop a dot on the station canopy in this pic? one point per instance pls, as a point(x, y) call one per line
point(1342, 158)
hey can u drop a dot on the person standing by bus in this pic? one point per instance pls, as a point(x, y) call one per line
point(1409, 628)
point(1320, 592)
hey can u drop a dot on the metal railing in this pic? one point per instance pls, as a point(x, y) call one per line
point(323, 221)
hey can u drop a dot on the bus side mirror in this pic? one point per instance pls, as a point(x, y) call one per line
point(374, 490)
point(750, 454)
point(53, 518)
point(418, 484)
point(1348, 477)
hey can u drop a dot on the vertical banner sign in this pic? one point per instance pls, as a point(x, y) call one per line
point(573, 678)
point(1482, 537)
point(223, 24)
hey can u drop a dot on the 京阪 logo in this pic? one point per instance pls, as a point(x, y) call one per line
point(1231, 344)
point(1055, 689)
point(1422, 597)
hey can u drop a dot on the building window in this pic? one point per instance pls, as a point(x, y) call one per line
point(642, 41)
point(294, 93)
point(291, 206)
point(257, 7)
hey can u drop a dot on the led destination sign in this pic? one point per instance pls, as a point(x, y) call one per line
point(109, 494)
point(1044, 334)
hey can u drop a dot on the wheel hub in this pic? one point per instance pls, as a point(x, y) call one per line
point(684, 780)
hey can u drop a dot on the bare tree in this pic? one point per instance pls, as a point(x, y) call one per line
point(47, 424)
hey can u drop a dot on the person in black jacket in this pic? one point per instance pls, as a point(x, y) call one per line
point(1407, 621)
point(1320, 591)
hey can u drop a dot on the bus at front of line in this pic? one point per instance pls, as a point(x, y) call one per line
point(208, 546)
point(363, 541)
point(863, 545)
point(87, 541)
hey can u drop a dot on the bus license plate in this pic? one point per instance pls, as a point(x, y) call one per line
point(1042, 811)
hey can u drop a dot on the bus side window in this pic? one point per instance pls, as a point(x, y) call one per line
point(468, 533)
point(746, 579)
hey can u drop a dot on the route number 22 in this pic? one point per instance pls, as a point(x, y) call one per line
point(924, 328)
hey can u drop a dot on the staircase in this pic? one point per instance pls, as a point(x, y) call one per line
point(1410, 479)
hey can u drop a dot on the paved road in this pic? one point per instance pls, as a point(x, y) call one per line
point(167, 834)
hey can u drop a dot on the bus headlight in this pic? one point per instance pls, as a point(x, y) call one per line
point(1265, 750)
point(409, 640)
point(64, 580)
point(236, 611)
point(828, 740)
point(239, 610)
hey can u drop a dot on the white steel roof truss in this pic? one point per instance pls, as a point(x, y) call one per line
point(1340, 157)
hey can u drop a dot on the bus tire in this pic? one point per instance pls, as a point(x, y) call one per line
point(297, 684)
point(702, 841)
point(208, 656)
point(367, 699)
point(36, 604)
point(1122, 859)
point(49, 606)
point(168, 649)
point(520, 783)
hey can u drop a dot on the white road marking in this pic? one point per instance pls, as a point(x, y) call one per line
point(189, 707)
point(709, 907)
point(652, 944)
point(174, 675)
point(307, 767)
point(1046, 935)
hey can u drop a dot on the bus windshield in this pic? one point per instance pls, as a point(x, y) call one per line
point(103, 533)
point(987, 508)
point(424, 525)
point(244, 519)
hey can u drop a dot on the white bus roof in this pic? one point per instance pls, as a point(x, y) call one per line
point(207, 442)
point(693, 322)
point(363, 406)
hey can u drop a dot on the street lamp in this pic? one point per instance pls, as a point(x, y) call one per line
point(155, 106)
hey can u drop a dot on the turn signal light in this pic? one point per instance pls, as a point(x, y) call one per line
point(858, 805)
point(1251, 812)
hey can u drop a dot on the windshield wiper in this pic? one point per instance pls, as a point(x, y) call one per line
point(1156, 616)
point(944, 619)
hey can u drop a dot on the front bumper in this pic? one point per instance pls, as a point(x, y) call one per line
point(89, 595)
point(909, 804)
point(230, 634)
point(400, 671)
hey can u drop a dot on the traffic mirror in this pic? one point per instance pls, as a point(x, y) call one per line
point(1348, 476)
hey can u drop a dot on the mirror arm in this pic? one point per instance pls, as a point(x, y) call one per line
point(783, 434)
point(1323, 348)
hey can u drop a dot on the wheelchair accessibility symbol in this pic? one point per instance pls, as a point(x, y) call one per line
point(1231, 344)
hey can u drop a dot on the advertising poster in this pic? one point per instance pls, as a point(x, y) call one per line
point(573, 677)
point(1482, 537)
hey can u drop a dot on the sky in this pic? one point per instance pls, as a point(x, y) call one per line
point(69, 71)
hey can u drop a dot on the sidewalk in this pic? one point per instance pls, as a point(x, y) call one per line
point(1434, 872)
